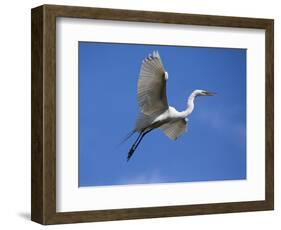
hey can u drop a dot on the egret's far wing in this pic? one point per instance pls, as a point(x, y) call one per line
point(174, 129)
point(152, 85)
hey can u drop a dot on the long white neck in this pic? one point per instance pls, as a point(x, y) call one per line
point(190, 105)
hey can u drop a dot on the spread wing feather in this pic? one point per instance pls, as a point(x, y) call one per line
point(174, 129)
point(152, 85)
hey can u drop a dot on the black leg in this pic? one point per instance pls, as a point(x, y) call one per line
point(136, 143)
point(146, 132)
point(132, 149)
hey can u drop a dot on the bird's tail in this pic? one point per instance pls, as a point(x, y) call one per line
point(127, 136)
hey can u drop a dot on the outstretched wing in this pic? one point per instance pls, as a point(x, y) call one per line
point(174, 129)
point(152, 85)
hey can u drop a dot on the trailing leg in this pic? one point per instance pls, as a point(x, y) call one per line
point(136, 143)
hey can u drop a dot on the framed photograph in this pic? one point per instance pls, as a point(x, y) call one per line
point(140, 114)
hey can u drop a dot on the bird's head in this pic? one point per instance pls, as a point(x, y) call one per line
point(200, 92)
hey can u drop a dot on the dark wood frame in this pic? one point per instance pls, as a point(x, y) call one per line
point(43, 158)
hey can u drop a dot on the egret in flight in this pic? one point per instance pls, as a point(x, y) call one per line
point(154, 109)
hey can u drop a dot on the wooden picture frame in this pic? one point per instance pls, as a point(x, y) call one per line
point(43, 160)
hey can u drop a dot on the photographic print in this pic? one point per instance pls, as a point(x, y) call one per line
point(142, 114)
point(151, 114)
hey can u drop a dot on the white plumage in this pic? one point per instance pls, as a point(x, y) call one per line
point(152, 85)
point(152, 99)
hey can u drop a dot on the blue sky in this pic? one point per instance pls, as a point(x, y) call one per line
point(214, 148)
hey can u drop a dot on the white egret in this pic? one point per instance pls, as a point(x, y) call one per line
point(154, 109)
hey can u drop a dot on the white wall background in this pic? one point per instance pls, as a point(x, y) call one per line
point(15, 114)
